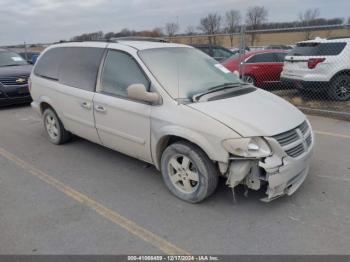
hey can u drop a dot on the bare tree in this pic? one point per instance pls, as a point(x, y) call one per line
point(171, 29)
point(89, 36)
point(306, 19)
point(157, 31)
point(232, 21)
point(256, 16)
point(210, 25)
point(190, 30)
point(309, 15)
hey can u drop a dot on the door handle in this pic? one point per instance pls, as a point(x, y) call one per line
point(100, 109)
point(86, 105)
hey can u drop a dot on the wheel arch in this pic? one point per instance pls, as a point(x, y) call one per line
point(342, 72)
point(44, 103)
point(167, 139)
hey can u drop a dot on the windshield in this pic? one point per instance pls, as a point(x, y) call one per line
point(185, 72)
point(11, 59)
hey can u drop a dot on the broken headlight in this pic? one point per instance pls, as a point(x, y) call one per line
point(255, 147)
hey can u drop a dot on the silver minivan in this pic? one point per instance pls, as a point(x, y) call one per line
point(174, 107)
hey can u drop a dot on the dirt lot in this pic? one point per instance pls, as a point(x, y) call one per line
point(81, 198)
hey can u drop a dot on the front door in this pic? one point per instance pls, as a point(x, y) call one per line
point(122, 124)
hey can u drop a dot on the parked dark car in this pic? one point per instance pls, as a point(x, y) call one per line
point(219, 53)
point(261, 68)
point(14, 74)
point(283, 47)
point(31, 57)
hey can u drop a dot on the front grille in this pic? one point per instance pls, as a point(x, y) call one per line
point(296, 151)
point(309, 140)
point(287, 137)
point(304, 127)
point(297, 141)
point(14, 80)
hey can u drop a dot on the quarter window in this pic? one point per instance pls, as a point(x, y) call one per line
point(120, 71)
point(49, 64)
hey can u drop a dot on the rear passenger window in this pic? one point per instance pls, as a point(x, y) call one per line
point(80, 66)
point(48, 65)
point(120, 71)
point(262, 58)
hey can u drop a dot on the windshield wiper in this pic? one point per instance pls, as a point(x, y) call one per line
point(225, 85)
point(218, 88)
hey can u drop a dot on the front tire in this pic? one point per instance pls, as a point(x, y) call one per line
point(54, 128)
point(188, 172)
point(340, 88)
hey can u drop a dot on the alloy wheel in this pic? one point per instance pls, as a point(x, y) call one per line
point(183, 174)
point(51, 126)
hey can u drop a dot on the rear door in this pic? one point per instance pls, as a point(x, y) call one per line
point(78, 76)
point(263, 67)
point(122, 124)
point(69, 79)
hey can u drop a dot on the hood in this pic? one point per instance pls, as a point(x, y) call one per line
point(258, 113)
point(20, 70)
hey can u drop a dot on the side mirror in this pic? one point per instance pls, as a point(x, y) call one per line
point(139, 92)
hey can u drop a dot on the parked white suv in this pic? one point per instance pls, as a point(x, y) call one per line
point(321, 65)
point(176, 108)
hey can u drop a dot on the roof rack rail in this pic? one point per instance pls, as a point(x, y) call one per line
point(81, 41)
point(140, 38)
point(338, 37)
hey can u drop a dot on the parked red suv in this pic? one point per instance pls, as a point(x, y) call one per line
point(261, 68)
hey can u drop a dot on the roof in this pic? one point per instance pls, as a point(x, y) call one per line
point(329, 40)
point(139, 45)
point(255, 52)
point(139, 38)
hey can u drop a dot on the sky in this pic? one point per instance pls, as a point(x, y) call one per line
point(46, 21)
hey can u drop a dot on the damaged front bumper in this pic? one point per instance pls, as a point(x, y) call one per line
point(282, 174)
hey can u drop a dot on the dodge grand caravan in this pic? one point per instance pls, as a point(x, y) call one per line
point(176, 108)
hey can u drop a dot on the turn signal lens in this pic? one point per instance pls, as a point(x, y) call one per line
point(29, 84)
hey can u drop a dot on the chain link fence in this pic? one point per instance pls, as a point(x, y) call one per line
point(314, 74)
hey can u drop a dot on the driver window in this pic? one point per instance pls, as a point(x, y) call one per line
point(121, 70)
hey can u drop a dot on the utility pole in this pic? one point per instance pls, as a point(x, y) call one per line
point(242, 52)
point(25, 51)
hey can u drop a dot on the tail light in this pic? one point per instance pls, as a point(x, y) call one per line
point(313, 62)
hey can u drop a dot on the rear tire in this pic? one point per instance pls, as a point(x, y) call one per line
point(249, 80)
point(340, 88)
point(188, 172)
point(54, 128)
